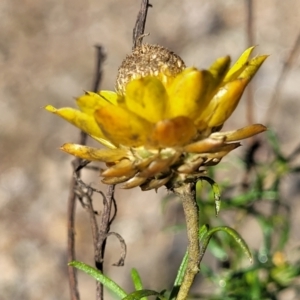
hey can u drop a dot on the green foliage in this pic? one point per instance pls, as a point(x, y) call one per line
point(270, 273)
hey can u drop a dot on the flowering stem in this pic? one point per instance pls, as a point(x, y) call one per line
point(187, 194)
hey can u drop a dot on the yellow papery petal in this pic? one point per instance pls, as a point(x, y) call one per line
point(155, 183)
point(173, 132)
point(122, 127)
point(239, 65)
point(116, 180)
point(110, 96)
point(188, 93)
point(218, 69)
point(224, 102)
point(90, 101)
point(225, 149)
point(192, 163)
point(156, 167)
point(90, 153)
point(206, 145)
point(121, 168)
point(229, 98)
point(134, 182)
point(240, 134)
point(104, 142)
point(252, 67)
point(79, 119)
point(147, 98)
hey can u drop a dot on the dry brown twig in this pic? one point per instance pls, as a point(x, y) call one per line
point(139, 28)
point(100, 232)
point(79, 190)
point(78, 164)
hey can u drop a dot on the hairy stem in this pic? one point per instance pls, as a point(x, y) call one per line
point(187, 194)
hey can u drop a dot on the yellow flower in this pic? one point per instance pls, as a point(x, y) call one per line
point(161, 126)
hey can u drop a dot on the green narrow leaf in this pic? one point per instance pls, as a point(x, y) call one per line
point(234, 234)
point(137, 281)
point(107, 282)
point(239, 65)
point(181, 270)
point(143, 293)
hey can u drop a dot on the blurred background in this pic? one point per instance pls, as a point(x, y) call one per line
point(47, 56)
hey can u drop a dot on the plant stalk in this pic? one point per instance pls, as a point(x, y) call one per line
point(187, 194)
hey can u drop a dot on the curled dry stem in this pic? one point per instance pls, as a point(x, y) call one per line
point(187, 194)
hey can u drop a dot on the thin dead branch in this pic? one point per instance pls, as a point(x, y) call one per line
point(139, 28)
point(100, 232)
point(102, 235)
point(72, 273)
